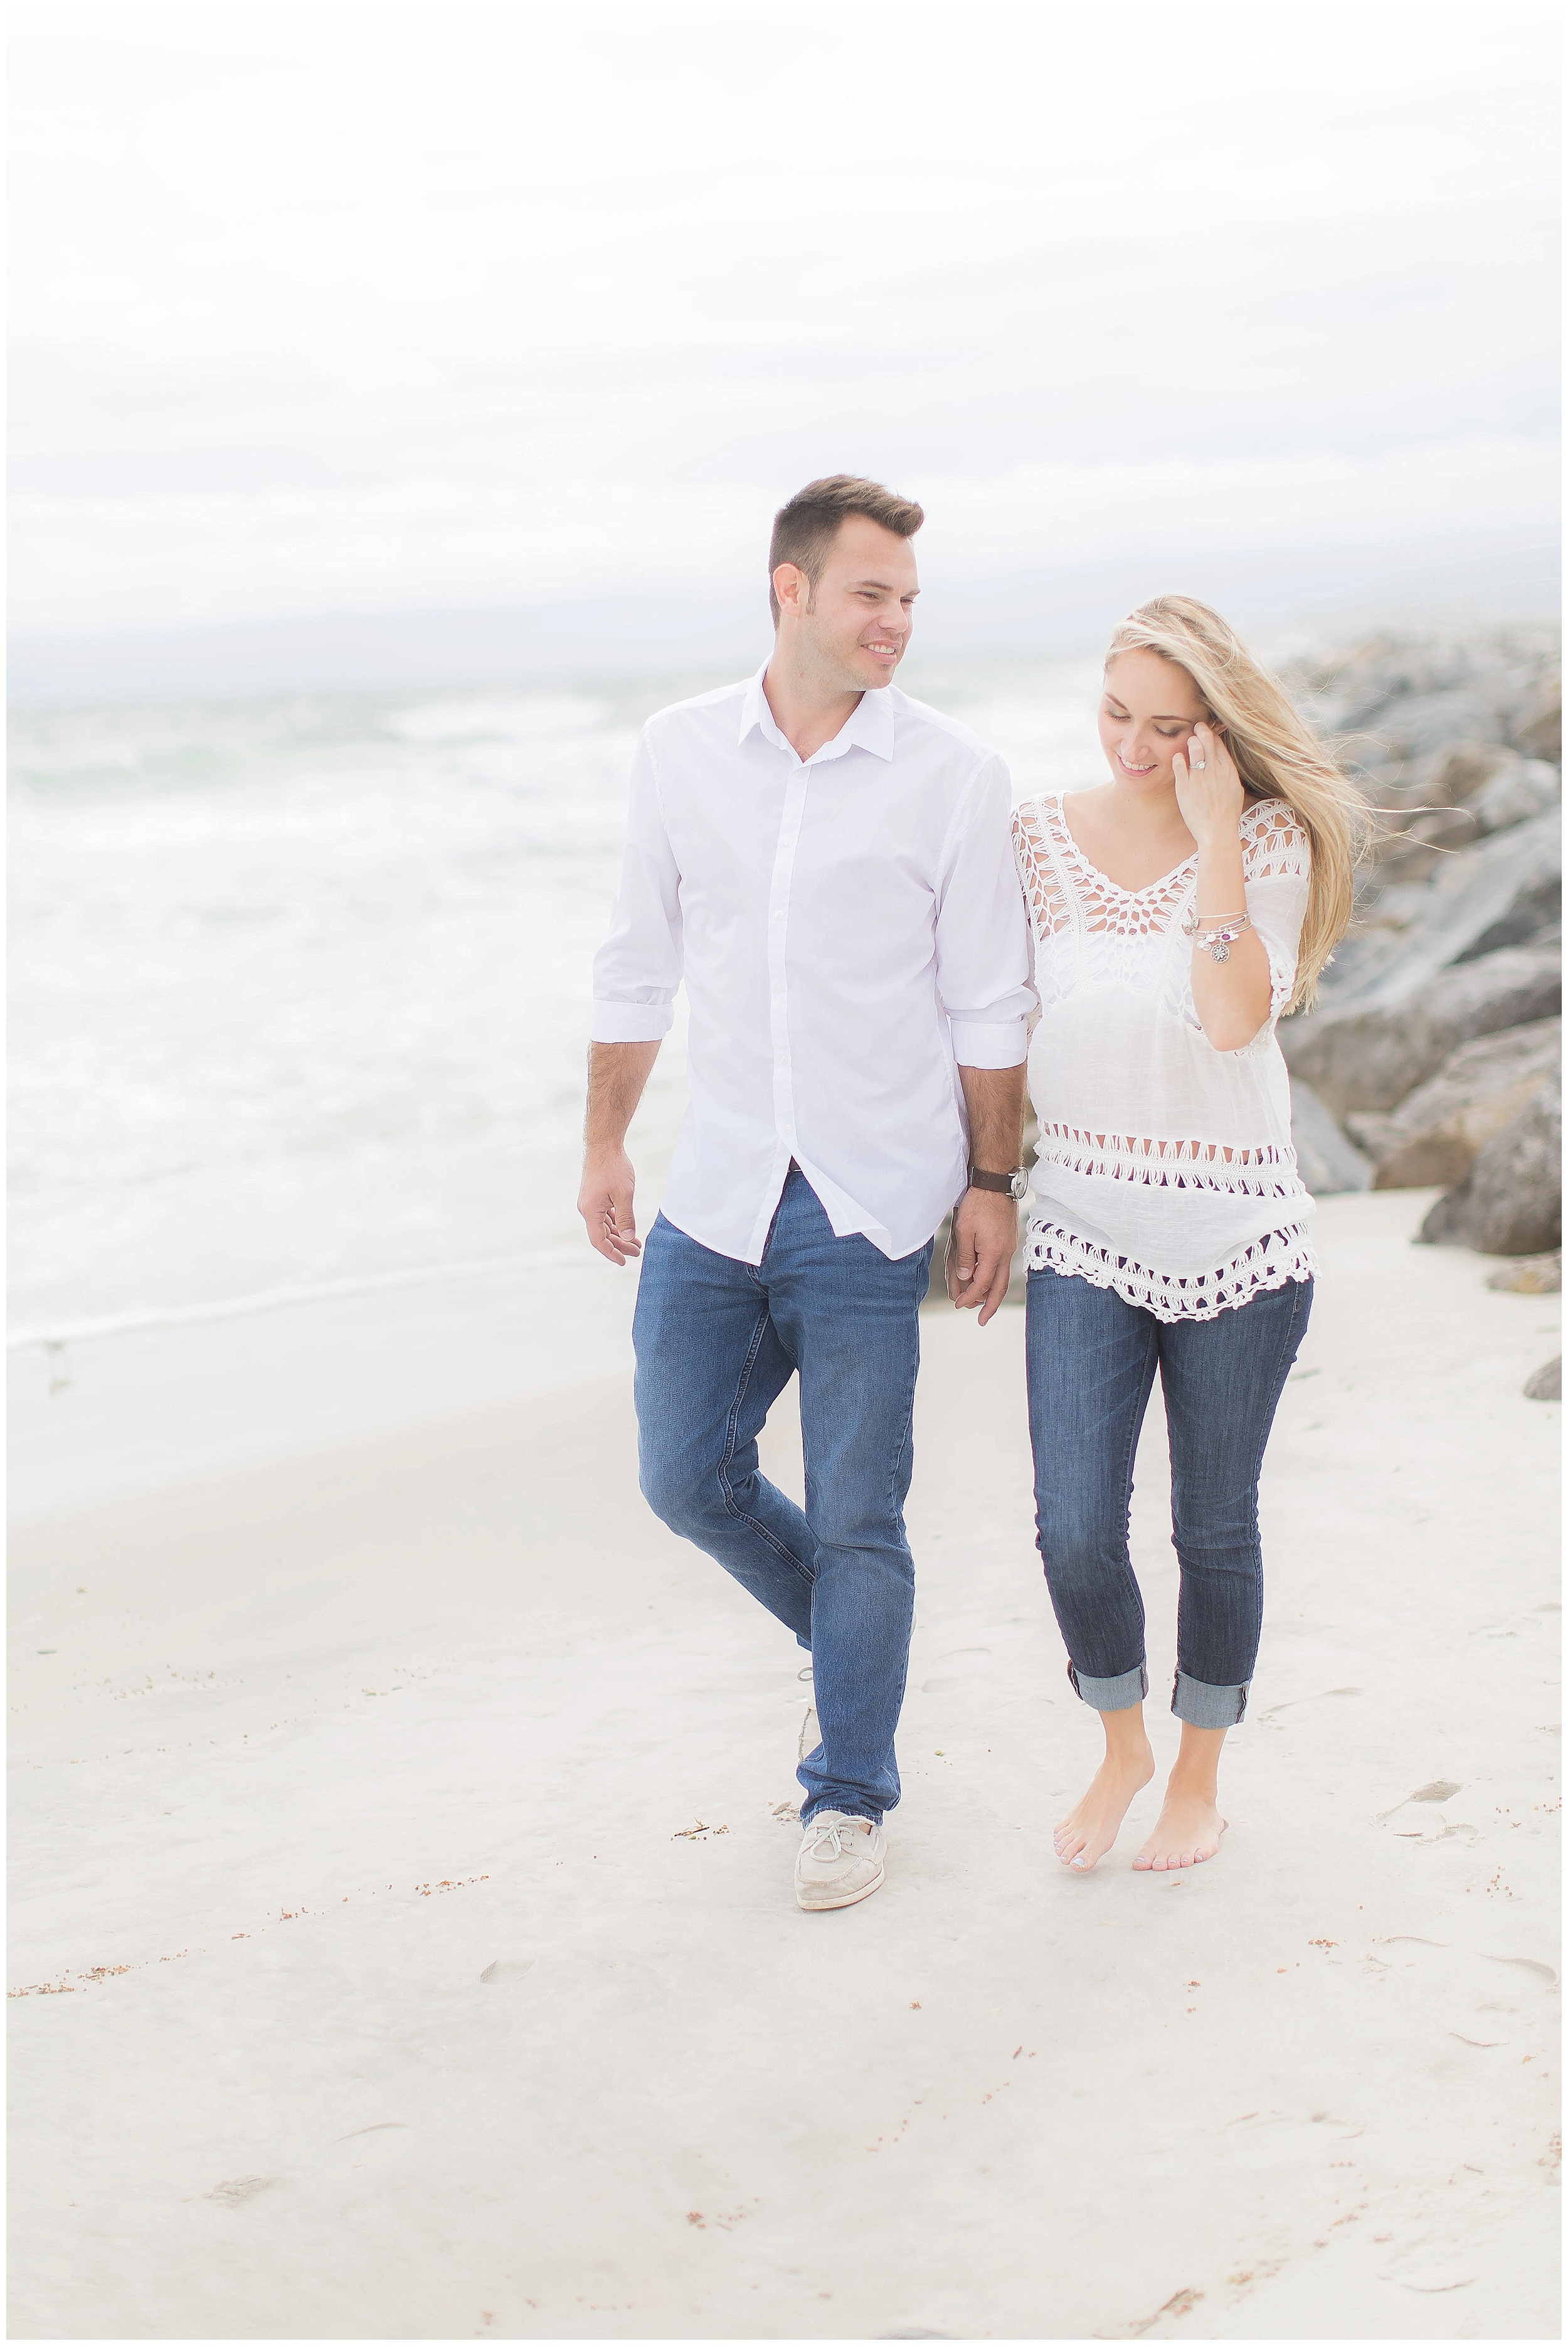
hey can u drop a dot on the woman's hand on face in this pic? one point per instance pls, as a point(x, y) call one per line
point(1209, 788)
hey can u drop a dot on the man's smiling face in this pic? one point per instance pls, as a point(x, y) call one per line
point(857, 624)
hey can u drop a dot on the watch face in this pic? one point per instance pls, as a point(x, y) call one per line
point(1019, 1187)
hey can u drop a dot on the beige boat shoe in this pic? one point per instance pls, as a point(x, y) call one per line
point(841, 1861)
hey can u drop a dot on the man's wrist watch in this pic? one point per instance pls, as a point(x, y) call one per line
point(1007, 1185)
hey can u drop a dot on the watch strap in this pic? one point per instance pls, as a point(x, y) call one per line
point(1001, 1182)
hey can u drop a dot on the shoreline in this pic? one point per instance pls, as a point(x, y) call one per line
point(178, 1396)
point(461, 1975)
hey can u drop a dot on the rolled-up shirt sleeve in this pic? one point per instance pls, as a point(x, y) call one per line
point(981, 930)
point(637, 969)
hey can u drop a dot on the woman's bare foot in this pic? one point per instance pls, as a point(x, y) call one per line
point(1083, 1837)
point(1187, 1833)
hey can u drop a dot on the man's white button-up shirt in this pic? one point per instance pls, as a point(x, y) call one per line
point(850, 929)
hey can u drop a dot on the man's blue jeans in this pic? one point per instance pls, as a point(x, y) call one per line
point(716, 1342)
point(1092, 1362)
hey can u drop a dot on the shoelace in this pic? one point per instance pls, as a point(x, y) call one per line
point(838, 1832)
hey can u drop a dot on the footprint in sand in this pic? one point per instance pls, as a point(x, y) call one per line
point(1543, 1972)
point(240, 2187)
point(1269, 1718)
point(1432, 2280)
point(505, 1969)
point(1440, 1789)
point(956, 1670)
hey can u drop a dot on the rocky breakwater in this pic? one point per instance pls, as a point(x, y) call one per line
point(1434, 1054)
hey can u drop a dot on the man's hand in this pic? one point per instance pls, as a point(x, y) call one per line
point(617, 1075)
point(606, 1203)
point(985, 1222)
point(979, 1254)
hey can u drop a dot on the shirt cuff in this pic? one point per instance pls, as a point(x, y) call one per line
point(630, 1021)
point(991, 1046)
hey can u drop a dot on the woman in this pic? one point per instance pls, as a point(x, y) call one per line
point(1177, 911)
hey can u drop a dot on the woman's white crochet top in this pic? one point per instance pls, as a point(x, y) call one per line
point(1164, 1167)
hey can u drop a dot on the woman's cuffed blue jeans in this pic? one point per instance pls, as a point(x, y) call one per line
point(1092, 1363)
point(716, 1342)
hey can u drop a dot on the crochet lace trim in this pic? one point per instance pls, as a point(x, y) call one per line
point(1129, 936)
point(1267, 1171)
point(1275, 846)
point(1268, 1263)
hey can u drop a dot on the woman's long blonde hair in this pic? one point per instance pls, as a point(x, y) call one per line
point(1275, 754)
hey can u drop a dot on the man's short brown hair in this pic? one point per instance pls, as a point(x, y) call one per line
point(805, 528)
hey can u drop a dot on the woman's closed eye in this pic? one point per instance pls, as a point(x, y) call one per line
point(1120, 716)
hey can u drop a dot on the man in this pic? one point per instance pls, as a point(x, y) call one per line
point(827, 864)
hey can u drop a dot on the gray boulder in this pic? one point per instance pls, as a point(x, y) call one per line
point(1452, 799)
point(1421, 722)
point(1416, 845)
point(1327, 1161)
point(1436, 1134)
point(1541, 733)
point(1374, 1058)
point(1415, 688)
point(1456, 774)
point(1546, 1384)
point(1376, 680)
point(1519, 788)
point(1510, 1200)
point(1498, 893)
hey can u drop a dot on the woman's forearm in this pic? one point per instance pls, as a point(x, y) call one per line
point(1231, 996)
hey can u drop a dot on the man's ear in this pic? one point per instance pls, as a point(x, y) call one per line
point(792, 587)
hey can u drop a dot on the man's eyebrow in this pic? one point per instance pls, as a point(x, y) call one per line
point(881, 586)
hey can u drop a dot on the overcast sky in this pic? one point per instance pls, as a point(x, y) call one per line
point(344, 307)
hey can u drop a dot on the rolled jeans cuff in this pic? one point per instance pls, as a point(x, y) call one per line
point(1208, 1706)
point(1111, 1694)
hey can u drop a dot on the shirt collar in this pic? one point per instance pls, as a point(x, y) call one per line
point(869, 726)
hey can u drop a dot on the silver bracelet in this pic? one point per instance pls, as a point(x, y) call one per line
point(1196, 921)
point(1217, 944)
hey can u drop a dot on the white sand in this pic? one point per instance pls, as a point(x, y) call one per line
point(413, 1709)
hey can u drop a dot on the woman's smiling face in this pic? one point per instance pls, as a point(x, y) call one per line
point(1147, 713)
